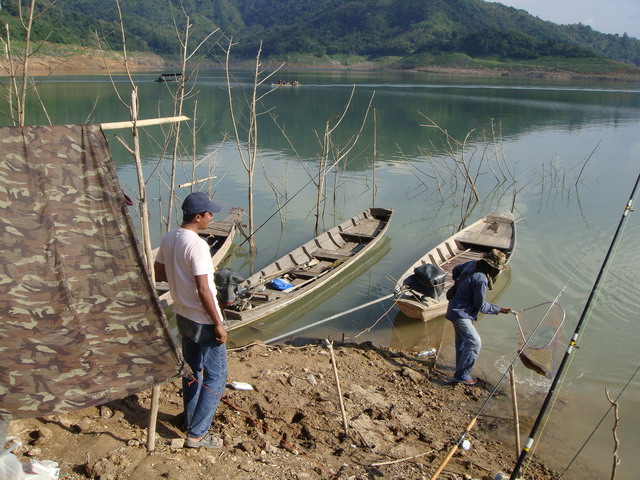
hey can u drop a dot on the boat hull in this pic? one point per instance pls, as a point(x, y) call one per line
point(307, 268)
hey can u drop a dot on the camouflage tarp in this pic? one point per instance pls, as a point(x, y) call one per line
point(80, 323)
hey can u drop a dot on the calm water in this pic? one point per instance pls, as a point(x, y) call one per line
point(570, 150)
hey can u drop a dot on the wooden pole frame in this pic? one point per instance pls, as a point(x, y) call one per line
point(142, 123)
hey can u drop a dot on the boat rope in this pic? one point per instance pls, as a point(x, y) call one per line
point(599, 423)
point(325, 320)
point(577, 332)
point(370, 327)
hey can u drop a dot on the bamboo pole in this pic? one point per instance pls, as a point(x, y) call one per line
point(335, 373)
point(400, 460)
point(188, 184)
point(514, 401)
point(142, 123)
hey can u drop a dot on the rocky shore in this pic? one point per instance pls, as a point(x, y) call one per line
point(400, 419)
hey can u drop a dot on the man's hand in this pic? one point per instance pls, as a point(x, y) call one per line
point(505, 309)
point(221, 333)
point(160, 272)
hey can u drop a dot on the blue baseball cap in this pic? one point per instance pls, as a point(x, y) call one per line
point(198, 202)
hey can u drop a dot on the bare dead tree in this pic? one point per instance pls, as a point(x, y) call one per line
point(180, 95)
point(17, 66)
point(458, 164)
point(332, 154)
point(249, 148)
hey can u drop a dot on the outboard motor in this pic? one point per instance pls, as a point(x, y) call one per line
point(227, 281)
point(431, 278)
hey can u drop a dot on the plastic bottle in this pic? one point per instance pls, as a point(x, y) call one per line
point(426, 353)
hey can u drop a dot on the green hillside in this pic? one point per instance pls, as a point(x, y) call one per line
point(373, 29)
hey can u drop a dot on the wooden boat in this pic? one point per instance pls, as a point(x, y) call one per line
point(307, 268)
point(496, 230)
point(219, 235)
point(169, 77)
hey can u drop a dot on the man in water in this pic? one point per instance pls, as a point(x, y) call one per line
point(473, 278)
point(184, 260)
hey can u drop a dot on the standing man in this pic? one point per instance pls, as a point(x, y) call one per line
point(473, 278)
point(184, 261)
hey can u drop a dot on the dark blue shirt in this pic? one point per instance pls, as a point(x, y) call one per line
point(470, 296)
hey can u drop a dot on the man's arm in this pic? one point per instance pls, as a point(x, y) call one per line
point(208, 302)
point(160, 271)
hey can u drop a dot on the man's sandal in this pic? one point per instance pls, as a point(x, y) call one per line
point(208, 441)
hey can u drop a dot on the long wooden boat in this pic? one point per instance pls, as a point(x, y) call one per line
point(496, 230)
point(219, 235)
point(307, 268)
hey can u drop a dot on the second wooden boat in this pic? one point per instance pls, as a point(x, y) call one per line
point(307, 268)
point(417, 300)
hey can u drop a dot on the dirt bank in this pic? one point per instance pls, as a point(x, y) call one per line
point(84, 61)
point(290, 426)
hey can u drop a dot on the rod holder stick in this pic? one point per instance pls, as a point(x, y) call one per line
point(335, 373)
point(454, 449)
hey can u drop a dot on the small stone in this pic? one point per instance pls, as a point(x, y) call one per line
point(311, 379)
point(33, 452)
point(106, 412)
point(177, 443)
point(42, 435)
point(247, 467)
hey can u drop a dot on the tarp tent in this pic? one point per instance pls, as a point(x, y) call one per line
point(80, 322)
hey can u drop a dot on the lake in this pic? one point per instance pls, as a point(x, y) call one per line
point(563, 155)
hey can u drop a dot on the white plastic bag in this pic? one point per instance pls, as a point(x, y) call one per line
point(41, 470)
point(10, 466)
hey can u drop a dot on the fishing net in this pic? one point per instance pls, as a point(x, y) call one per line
point(540, 330)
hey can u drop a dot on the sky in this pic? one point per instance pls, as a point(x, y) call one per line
point(606, 16)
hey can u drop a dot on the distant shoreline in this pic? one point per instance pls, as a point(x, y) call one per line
point(95, 64)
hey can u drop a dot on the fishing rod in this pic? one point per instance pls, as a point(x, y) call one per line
point(574, 338)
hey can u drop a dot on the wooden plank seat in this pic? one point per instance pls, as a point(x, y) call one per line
point(357, 237)
point(312, 271)
point(330, 254)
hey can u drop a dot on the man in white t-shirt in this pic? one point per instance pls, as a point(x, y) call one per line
point(184, 260)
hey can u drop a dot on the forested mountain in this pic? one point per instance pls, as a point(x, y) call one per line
point(371, 28)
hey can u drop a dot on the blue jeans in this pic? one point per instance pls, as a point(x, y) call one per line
point(468, 345)
point(208, 360)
